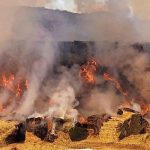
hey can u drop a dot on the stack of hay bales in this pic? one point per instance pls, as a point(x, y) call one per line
point(125, 124)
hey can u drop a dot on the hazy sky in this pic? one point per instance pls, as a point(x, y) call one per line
point(140, 7)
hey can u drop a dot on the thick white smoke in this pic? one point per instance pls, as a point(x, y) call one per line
point(63, 101)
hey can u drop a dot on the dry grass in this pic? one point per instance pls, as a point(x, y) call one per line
point(139, 142)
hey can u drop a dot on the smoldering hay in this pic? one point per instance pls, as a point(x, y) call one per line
point(30, 48)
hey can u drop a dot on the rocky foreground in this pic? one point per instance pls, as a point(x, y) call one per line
point(127, 130)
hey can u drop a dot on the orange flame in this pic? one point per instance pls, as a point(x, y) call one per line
point(9, 82)
point(1, 107)
point(82, 119)
point(145, 108)
point(88, 70)
point(126, 104)
point(108, 77)
point(87, 73)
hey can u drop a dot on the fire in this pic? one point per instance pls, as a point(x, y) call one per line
point(145, 108)
point(1, 107)
point(87, 73)
point(88, 70)
point(16, 86)
point(7, 82)
point(108, 77)
point(126, 104)
point(82, 119)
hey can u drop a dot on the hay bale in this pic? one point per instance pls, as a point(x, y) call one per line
point(79, 132)
point(95, 122)
point(11, 132)
point(17, 135)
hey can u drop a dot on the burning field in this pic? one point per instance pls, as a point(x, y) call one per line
point(88, 105)
point(74, 81)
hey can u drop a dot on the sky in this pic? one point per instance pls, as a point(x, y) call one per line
point(140, 7)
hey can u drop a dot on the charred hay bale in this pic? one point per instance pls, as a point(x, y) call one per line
point(32, 123)
point(17, 135)
point(41, 130)
point(78, 132)
point(38, 126)
point(121, 126)
point(95, 122)
point(50, 137)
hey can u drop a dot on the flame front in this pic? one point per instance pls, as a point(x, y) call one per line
point(88, 73)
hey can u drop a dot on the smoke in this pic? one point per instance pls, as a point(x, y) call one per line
point(102, 101)
point(30, 49)
point(114, 32)
point(63, 100)
point(30, 53)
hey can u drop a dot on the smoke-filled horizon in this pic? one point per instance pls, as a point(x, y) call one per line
point(29, 48)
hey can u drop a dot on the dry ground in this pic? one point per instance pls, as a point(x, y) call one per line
point(138, 142)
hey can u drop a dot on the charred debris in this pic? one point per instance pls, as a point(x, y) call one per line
point(126, 122)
